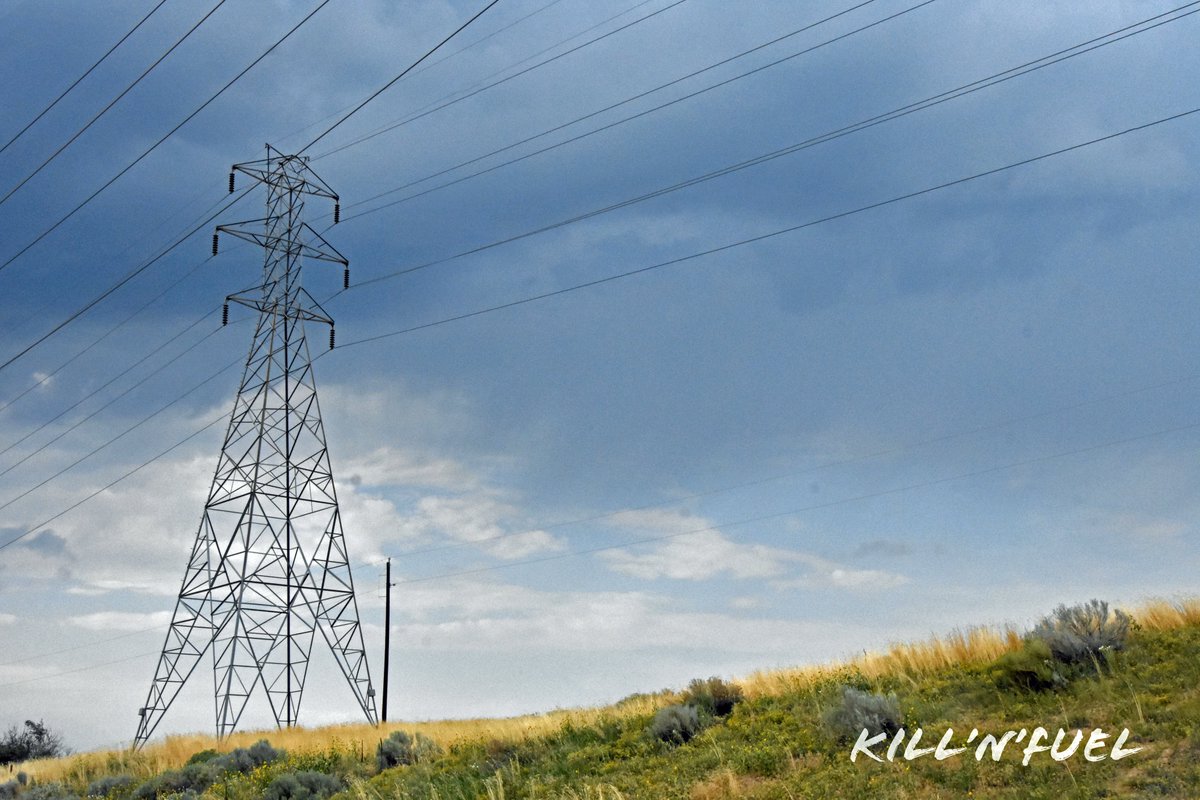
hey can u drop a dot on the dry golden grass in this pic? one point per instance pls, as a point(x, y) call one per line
point(912, 661)
point(1162, 615)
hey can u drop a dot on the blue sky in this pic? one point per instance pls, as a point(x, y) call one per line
point(962, 407)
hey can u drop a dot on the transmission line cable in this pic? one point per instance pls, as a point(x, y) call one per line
point(511, 66)
point(432, 64)
point(110, 441)
point(394, 80)
point(722, 248)
point(80, 79)
point(879, 119)
point(626, 101)
point(929, 102)
point(494, 84)
point(112, 103)
point(828, 504)
point(95, 342)
point(165, 136)
point(131, 388)
point(772, 234)
point(126, 279)
point(40, 525)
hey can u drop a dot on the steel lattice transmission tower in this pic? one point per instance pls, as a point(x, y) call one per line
point(250, 593)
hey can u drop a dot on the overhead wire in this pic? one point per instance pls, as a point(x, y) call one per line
point(920, 105)
point(858, 498)
point(682, 259)
point(159, 142)
point(772, 234)
point(108, 107)
point(634, 98)
point(625, 275)
point(511, 66)
point(869, 122)
point(163, 253)
point(494, 84)
point(82, 77)
point(400, 75)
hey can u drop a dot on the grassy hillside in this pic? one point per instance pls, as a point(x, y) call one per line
point(786, 738)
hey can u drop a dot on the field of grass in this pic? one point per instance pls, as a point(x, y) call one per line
point(778, 742)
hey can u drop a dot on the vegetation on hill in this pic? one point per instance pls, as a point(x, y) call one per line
point(1087, 670)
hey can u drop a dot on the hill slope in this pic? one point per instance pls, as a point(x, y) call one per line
point(790, 737)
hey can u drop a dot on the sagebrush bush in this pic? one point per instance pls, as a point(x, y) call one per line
point(9, 790)
point(857, 710)
point(401, 749)
point(191, 779)
point(302, 786)
point(1083, 633)
point(714, 695)
point(49, 791)
point(676, 724)
point(109, 785)
point(245, 759)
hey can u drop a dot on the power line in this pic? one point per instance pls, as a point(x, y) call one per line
point(693, 256)
point(165, 136)
point(745, 521)
point(626, 101)
point(393, 81)
point(429, 66)
point(126, 279)
point(106, 109)
point(111, 401)
point(514, 65)
point(93, 452)
point(203, 224)
point(921, 105)
point(40, 525)
point(78, 80)
point(499, 82)
point(771, 234)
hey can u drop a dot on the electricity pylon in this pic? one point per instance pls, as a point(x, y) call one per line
point(249, 592)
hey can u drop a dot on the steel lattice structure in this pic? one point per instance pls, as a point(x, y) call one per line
point(249, 592)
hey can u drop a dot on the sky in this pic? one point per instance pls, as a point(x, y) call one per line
point(908, 374)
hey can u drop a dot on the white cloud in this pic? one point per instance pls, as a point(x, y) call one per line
point(701, 556)
point(7, 619)
point(696, 553)
point(121, 620)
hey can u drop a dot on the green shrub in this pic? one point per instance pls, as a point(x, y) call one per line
point(857, 710)
point(713, 695)
point(401, 749)
point(9, 790)
point(1083, 633)
point(203, 756)
point(675, 724)
point(1032, 668)
point(302, 786)
point(110, 785)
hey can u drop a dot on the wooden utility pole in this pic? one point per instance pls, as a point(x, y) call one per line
point(387, 635)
